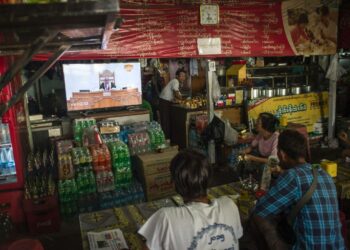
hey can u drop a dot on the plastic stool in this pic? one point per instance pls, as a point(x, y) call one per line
point(26, 244)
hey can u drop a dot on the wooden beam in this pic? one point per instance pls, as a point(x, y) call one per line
point(55, 44)
point(39, 73)
point(109, 29)
point(48, 50)
point(57, 15)
point(26, 58)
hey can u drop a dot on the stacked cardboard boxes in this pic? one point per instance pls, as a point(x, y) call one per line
point(153, 171)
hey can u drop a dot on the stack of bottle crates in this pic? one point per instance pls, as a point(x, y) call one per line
point(85, 179)
point(67, 187)
point(40, 200)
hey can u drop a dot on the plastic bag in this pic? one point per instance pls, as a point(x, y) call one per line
point(216, 91)
point(231, 135)
point(214, 131)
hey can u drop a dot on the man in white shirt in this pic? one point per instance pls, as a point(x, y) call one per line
point(200, 223)
point(170, 93)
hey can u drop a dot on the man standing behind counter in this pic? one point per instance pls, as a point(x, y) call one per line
point(169, 94)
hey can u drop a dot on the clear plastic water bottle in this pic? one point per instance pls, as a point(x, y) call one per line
point(10, 161)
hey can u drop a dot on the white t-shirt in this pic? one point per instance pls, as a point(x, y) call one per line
point(194, 226)
point(168, 91)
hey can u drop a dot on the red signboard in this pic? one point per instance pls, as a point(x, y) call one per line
point(245, 29)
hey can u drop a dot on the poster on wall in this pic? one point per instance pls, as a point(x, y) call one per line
point(311, 26)
point(245, 28)
point(308, 109)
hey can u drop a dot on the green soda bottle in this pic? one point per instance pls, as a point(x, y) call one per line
point(92, 183)
point(74, 190)
point(61, 190)
point(80, 184)
point(78, 131)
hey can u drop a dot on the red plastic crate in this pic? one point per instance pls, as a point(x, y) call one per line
point(42, 215)
point(11, 202)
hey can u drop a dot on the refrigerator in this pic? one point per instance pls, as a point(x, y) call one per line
point(14, 148)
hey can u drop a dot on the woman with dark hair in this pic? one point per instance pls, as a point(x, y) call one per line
point(200, 223)
point(265, 143)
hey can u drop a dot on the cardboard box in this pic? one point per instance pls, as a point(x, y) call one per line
point(158, 186)
point(153, 171)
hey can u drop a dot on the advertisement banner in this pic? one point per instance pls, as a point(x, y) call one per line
point(245, 28)
point(307, 109)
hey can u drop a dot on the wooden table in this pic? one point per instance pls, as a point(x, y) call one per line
point(130, 218)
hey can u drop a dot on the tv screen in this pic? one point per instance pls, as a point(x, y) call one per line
point(102, 85)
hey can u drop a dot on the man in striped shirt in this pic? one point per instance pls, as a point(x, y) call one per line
point(317, 225)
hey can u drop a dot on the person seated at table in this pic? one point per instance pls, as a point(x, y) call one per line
point(200, 223)
point(265, 143)
point(317, 224)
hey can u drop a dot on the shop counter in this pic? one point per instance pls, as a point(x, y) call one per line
point(180, 119)
point(130, 218)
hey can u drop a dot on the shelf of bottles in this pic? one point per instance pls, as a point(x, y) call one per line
point(95, 169)
point(7, 162)
point(40, 176)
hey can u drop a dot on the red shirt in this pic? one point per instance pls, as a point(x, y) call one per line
point(298, 35)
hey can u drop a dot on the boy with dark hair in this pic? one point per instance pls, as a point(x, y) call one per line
point(317, 224)
point(199, 223)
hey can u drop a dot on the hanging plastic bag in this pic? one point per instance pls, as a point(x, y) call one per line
point(231, 135)
point(214, 131)
point(216, 91)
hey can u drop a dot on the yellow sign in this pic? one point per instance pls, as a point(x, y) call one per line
point(307, 109)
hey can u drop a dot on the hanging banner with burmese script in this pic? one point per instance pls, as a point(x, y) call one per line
point(172, 29)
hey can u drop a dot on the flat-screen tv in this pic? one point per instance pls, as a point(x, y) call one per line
point(102, 85)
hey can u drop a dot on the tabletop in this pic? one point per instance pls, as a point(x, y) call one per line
point(130, 218)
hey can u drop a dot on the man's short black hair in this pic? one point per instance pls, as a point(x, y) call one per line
point(179, 71)
point(269, 122)
point(190, 172)
point(293, 143)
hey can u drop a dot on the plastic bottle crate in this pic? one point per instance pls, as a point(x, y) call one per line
point(42, 215)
